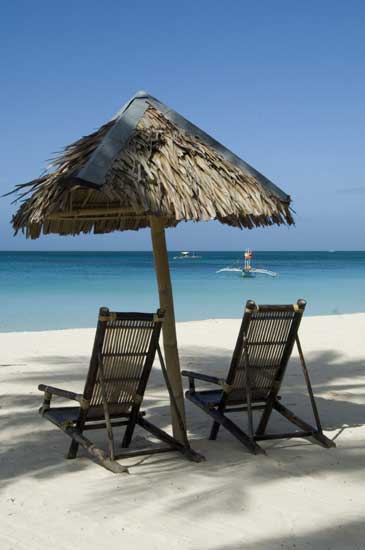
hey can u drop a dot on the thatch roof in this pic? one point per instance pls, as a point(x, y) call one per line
point(147, 161)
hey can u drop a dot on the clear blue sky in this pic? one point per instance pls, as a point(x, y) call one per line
point(280, 83)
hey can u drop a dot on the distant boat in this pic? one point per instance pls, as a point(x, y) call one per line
point(185, 255)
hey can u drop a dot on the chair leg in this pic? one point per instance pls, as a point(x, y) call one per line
point(127, 438)
point(309, 385)
point(239, 434)
point(74, 447)
point(214, 431)
point(98, 454)
point(185, 449)
point(72, 452)
point(216, 425)
point(265, 417)
point(230, 426)
point(128, 434)
point(318, 435)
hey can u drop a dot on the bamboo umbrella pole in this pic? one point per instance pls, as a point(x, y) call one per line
point(168, 326)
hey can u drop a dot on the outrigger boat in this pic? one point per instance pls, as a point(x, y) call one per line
point(247, 270)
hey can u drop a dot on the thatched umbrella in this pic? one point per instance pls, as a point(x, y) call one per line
point(149, 167)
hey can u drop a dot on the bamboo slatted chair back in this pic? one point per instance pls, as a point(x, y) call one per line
point(269, 332)
point(124, 350)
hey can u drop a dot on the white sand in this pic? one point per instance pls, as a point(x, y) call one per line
point(300, 496)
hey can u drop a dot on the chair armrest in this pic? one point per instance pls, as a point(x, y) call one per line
point(204, 377)
point(50, 390)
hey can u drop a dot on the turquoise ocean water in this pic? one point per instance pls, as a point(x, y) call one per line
point(52, 290)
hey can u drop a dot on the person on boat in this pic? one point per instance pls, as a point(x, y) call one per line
point(248, 256)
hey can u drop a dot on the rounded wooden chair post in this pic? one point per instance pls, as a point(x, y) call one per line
point(168, 326)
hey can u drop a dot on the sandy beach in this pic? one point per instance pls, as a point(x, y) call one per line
point(299, 496)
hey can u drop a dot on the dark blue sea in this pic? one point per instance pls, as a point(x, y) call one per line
point(54, 290)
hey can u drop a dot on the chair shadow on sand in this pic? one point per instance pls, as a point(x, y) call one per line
point(39, 449)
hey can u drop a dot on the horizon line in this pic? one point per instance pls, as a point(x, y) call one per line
point(331, 251)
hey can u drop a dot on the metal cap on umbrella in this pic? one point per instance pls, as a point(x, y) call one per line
point(149, 167)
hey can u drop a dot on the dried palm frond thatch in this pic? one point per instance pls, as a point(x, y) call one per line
point(162, 169)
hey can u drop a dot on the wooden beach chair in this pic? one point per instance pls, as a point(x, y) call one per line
point(260, 359)
point(124, 349)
